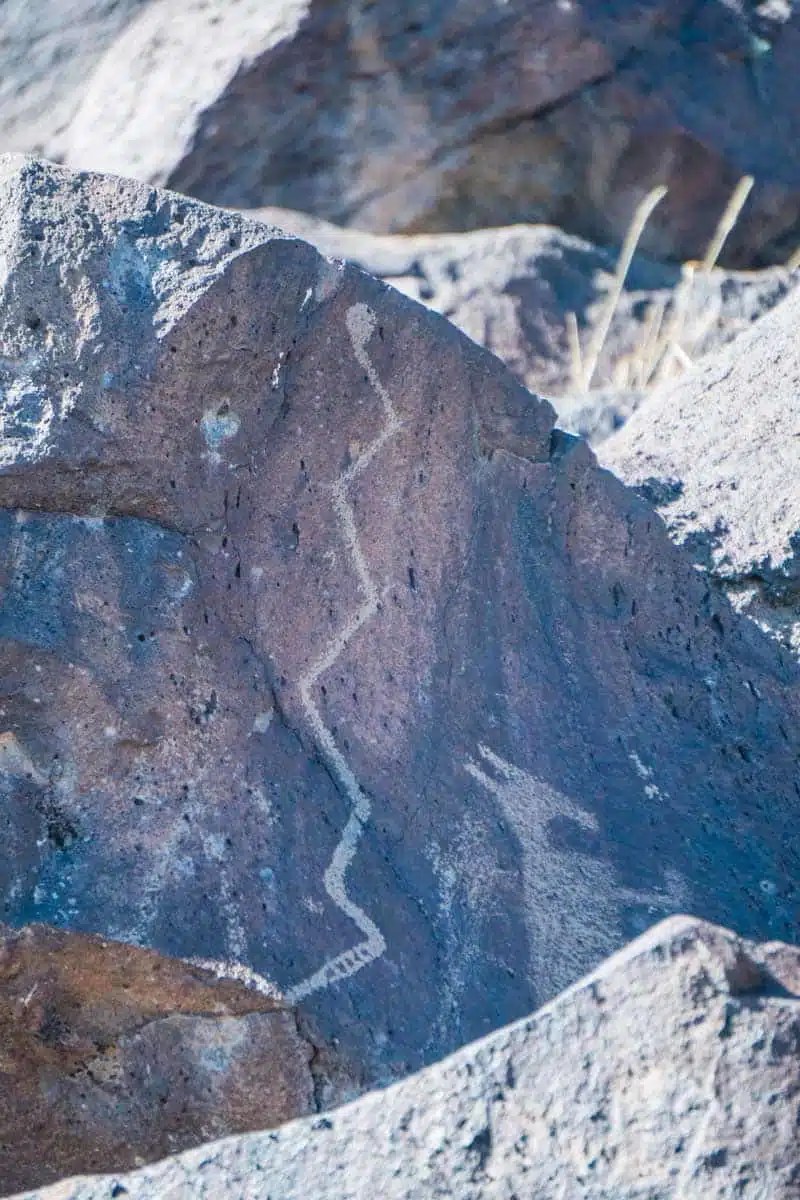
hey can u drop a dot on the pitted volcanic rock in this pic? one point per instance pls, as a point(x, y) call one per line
point(324, 652)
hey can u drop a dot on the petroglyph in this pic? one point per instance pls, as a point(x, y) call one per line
point(218, 426)
point(16, 762)
point(360, 322)
point(565, 887)
point(467, 878)
point(239, 972)
point(651, 790)
point(215, 850)
point(262, 721)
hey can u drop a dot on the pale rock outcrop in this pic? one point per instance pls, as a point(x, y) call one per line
point(48, 49)
point(718, 452)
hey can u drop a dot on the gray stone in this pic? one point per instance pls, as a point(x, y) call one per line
point(322, 651)
point(719, 453)
point(48, 49)
point(510, 290)
point(112, 1056)
point(597, 414)
point(438, 116)
point(673, 1071)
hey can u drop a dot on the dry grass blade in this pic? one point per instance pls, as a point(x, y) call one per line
point(660, 351)
point(575, 358)
point(682, 357)
point(622, 374)
point(670, 349)
point(727, 221)
point(793, 262)
point(640, 219)
point(645, 357)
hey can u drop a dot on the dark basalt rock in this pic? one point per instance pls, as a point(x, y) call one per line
point(323, 652)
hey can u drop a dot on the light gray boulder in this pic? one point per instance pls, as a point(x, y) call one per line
point(718, 452)
point(48, 49)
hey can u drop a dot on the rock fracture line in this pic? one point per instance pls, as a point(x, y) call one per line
point(360, 325)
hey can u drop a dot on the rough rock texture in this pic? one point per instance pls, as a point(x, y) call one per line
point(47, 51)
point(719, 453)
point(596, 414)
point(674, 1071)
point(434, 116)
point(322, 651)
point(510, 290)
point(111, 1056)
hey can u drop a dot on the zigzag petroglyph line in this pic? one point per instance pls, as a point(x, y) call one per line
point(360, 325)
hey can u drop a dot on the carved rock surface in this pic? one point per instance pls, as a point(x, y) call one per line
point(438, 116)
point(111, 1056)
point(672, 1071)
point(323, 652)
point(510, 290)
point(719, 453)
point(47, 53)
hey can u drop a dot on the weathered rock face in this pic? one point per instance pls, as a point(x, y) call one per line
point(47, 53)
point(719, 453)
point(678, 1074)
point(321, 650)
point(455, 116)
point(510, 290)
point(111, 1056)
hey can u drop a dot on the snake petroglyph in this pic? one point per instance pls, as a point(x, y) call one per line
point(360, 326)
